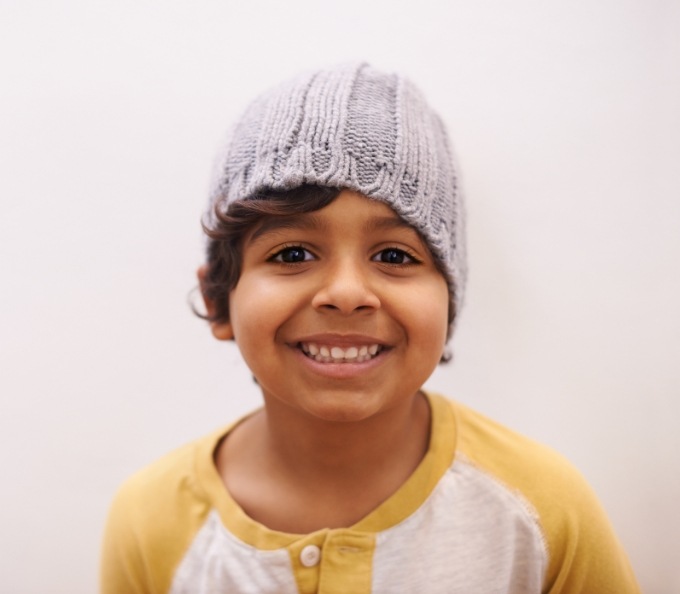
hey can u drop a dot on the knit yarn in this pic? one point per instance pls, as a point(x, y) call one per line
point(358, 128)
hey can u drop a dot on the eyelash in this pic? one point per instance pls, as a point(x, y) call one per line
point(402, 252)
point(278, 256)
point(308, 256)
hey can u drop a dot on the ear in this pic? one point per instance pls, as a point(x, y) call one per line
point(220, 330)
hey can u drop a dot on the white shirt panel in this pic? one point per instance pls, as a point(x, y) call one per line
point(471, 535)
point(218, 563)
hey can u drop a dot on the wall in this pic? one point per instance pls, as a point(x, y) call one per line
point(565, 119)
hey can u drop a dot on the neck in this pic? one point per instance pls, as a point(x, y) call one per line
point(296, 474)
point(341, 451)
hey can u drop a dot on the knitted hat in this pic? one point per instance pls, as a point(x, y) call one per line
point(357, 128)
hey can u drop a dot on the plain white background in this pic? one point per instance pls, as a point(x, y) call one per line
point(566, 120)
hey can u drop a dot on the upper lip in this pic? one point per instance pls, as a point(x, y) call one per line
point(340, 340)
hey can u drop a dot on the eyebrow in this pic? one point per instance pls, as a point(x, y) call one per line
point(386, 223)
point(310, 221)
point(306, 221)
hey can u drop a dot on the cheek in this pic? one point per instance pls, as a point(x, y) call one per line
point(431, 312)
point(425, 310)
point(435, 332)
point(258, 307)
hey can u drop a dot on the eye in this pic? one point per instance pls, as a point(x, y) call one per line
point(292, 255)
point(394, 256)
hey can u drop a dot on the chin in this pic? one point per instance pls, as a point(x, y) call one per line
point(344, 408)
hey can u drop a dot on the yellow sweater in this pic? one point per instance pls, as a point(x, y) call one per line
point(486, 511)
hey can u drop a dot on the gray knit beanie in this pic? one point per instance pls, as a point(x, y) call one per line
point(357, 128)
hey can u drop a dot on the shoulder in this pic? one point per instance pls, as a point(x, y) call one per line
point(167, 482)
point(511, 457)
point(154, 516)
point(584, 554)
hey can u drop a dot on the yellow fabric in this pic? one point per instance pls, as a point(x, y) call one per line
point(157, 516)
point(152, 522)
point(345, 566)
point(569, 514)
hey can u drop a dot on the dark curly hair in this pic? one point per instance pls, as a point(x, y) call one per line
point(227, 230)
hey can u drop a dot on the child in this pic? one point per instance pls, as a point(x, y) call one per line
point(336, 263)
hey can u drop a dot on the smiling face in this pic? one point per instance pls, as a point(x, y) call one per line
point(340, 313)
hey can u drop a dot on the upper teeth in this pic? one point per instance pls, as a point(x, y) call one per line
point(336, 354)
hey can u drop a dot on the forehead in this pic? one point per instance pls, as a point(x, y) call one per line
point(348, 209)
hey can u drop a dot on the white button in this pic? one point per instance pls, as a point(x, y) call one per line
point(310, 555)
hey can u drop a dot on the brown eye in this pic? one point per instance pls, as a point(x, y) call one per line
point(393, 256)
point(292, 255)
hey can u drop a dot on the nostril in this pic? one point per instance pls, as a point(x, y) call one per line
point(346, 297)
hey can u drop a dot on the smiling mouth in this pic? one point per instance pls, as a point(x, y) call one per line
point(335, 354)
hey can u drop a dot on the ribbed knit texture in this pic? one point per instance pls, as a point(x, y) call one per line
point(357, 128)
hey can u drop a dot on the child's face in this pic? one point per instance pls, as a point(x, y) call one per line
point(340, 313)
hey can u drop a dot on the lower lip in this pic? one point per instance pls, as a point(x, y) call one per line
point(341, 370)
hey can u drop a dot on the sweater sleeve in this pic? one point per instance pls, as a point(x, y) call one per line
point(584, 555)
point(152, 521)
point(122, 568)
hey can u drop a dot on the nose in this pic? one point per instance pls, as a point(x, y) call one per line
point(346, 288)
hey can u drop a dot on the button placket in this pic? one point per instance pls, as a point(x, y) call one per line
point(347, 562)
